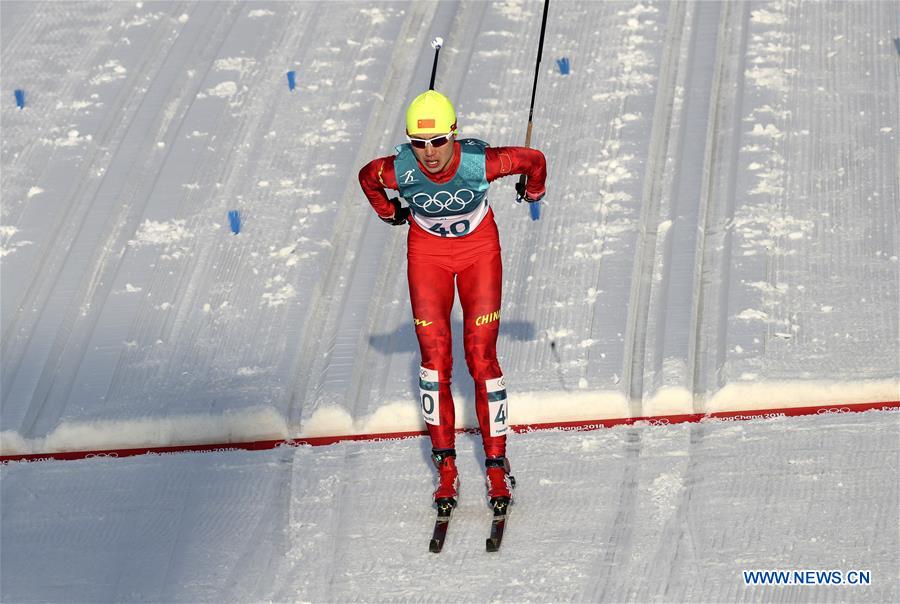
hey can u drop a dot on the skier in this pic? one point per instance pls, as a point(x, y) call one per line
point(452, 234)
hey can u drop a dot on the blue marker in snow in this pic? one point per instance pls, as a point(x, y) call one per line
point(234, 217)
point(292, 79)
point(20, 98)
point(563, 65)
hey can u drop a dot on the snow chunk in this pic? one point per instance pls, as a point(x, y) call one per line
point(6, 234)
point(767, 17)
point(224, 90)
point(557, 334)
point(12, 443)
point(530, 408)
point(664, 227)
point(669, 400)
point(284, 252)
point(546, 407)
point(751, 314)
point(110, 71)
point(774, 394)
point(250, 371)
point(73, 138)
point(767, 77)
point(330, 132)
point(769, 130)
point(639, 9)
point(328, 421)
point(140, 20)
point(6, 251)
point(160, 233)
point(239, 64)
point(664, 491)
point(281, 296)
point(376, 15)
point(512, 10)
point(259, 423)
point(387, 417)
point(768, 288)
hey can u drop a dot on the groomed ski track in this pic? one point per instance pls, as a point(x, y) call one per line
point(701, 257)
point(720, 238)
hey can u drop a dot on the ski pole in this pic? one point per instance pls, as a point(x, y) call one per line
point(436, 45)
point(535, 207)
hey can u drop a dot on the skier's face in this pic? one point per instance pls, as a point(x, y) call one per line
point(435, 159)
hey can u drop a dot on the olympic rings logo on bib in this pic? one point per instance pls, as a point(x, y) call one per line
point(443, 201)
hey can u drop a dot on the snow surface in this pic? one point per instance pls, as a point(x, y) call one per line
point(708, 243)
point(641, 513)
point(720, 234)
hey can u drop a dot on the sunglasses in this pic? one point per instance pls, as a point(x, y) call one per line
point(437, 141)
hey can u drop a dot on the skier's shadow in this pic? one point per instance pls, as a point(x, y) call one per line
point(403, 339)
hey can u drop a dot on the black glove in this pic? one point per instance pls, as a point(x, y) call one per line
point(521, 195)
point(401, 214)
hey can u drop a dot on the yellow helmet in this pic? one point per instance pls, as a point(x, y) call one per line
point(430, 113)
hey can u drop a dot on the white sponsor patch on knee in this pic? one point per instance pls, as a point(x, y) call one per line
point(497, 405)
point(429, 398)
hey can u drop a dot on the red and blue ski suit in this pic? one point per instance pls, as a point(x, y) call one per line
point(453, 236)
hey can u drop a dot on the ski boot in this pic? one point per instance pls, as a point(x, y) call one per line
point(448, 478)
point(499, 483)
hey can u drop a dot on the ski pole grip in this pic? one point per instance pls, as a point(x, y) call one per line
point(521, 182)
point(436, 45)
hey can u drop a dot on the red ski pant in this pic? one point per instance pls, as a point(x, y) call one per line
point(474, 263)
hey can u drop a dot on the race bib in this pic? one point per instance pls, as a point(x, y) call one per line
point(429, 397)
point(497, 406)
point(452, 226)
